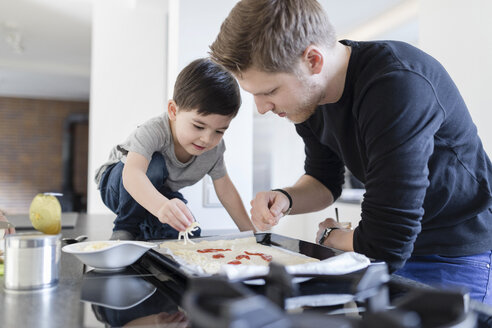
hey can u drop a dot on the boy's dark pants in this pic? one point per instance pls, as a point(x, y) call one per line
point(131, 216)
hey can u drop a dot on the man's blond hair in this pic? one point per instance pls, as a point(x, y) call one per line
point(270, 35)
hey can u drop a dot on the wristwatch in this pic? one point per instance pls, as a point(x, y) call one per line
point(326, 233)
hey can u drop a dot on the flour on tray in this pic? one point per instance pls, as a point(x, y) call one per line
point(209, 256)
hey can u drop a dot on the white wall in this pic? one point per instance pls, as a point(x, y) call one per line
point(458, 34)
point(131, 47)
point(198, 25)
point(128, 78)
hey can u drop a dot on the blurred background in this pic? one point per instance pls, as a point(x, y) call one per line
point(77, 76)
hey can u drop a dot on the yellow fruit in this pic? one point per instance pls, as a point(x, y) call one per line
point(45, 214)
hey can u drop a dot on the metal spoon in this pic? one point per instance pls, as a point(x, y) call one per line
point(78, 239)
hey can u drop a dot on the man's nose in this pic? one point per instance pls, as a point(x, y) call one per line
point(262, 106)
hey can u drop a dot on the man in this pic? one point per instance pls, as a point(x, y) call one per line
point(389, 113)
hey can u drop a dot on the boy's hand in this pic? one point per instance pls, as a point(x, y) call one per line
point(9, 230)
point(267, 208)
point(175, 213)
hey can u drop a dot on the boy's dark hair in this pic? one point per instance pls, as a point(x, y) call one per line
point(207, 87)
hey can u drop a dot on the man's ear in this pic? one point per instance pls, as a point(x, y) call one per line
point(172, 109)
point(313, 57)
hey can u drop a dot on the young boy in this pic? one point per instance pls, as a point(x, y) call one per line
point(143, 176)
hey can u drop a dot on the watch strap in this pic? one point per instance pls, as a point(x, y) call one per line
point(326, 233)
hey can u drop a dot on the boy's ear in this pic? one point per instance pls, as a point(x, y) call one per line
point(172, 109)
point(313, 57)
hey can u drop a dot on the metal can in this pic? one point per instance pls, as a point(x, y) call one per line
point(32, 261)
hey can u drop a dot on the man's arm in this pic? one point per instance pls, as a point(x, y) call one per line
point(400, 118)
point(173, 212)
point(230, 199)
point(308, 195)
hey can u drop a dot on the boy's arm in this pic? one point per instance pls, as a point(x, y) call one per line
point(230, 199)
point(173, 212)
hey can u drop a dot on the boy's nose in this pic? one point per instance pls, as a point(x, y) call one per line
point(206, 137)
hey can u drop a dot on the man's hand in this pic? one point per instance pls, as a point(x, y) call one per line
point(340, 238)
point(267, 208)
point(175, 213)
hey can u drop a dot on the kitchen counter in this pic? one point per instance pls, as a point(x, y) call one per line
point(61, 305)
point(76, 300)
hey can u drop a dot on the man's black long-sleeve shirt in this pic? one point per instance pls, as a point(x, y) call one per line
point(402, 128)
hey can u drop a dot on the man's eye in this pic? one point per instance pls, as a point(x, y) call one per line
point(198, 127)
point(220, 132)
point(271, 92)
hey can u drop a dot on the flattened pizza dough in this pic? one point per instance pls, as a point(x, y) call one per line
point(211, 255)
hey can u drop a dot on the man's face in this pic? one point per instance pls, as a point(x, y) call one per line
point(289, 95)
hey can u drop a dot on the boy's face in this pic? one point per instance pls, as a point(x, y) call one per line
point(196, 133)
point(288, 95)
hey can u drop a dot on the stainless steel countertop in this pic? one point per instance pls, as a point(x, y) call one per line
point(59, 306)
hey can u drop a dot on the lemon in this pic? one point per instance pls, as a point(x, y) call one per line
point(45, 214)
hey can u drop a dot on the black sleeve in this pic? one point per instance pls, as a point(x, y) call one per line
point(321, 163)
point(398, 121)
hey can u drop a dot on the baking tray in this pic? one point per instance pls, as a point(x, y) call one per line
point(155, 262)
point(174, 279)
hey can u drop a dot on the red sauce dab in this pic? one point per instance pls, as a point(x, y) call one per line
point(235, 262)
point(266, 257)
point(218, 256)
point(212, 250)
point(242, 257)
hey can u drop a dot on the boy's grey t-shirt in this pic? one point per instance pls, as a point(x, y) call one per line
point(155, 136)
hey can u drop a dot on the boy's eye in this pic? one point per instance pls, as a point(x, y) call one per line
point(220, 132)
point(198, 127)
point(271, 92)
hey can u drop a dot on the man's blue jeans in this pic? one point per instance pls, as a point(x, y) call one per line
point(131, 216)
point(471, 272)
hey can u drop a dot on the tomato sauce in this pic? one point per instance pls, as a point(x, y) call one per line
point(266, 257)
point(212, 250)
